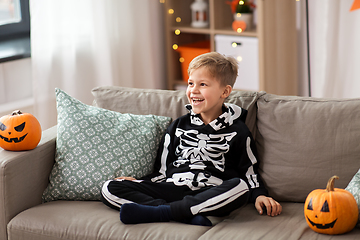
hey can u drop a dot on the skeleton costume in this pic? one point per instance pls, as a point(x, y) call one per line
point(200, 169)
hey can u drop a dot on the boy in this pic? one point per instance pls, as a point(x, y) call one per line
point(206, 163)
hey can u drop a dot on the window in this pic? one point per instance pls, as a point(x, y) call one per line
point(14, 30)
point(10, 12)
point(14, 18)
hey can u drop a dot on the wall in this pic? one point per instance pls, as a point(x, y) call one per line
point(334, 50)
point(303, 86)
point(16, 86)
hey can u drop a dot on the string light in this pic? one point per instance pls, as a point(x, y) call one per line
point(239, 58)
point(162, 1)
point(181, 59)
point(178, 19)
point(175, 46)
point(234, 44)
point(239, 30)
point(171, 11)
point(177, 31)
point(241, 2)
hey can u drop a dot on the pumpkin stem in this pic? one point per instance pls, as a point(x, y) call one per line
point(330, 184)
point(16, 112)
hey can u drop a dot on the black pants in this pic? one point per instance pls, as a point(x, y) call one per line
point(184, 203)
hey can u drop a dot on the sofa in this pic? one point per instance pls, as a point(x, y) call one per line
point(301, 143)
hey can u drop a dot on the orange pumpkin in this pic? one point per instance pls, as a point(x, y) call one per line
point(331, 210)
point(239, 26)
point(19, 131)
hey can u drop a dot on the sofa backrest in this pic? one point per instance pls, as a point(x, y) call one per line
point(164, 102)
point(301, 141)
point(304, 141)
point(141, 101)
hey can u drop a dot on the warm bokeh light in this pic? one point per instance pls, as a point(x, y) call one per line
point(175, 46)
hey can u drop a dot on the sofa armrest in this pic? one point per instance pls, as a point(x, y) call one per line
point(24, 176)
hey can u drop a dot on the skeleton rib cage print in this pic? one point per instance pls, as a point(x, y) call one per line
point(199, 154)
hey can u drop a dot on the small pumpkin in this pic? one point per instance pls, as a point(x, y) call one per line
point(331, 210)
point(19, 131)
point(239, 26)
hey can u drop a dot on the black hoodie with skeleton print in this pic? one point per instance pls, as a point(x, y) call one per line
point(198, 155)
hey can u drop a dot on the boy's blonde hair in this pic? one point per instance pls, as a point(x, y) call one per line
point(223, 68)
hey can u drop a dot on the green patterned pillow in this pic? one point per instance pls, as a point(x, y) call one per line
point(95, 144)
point(354, 188)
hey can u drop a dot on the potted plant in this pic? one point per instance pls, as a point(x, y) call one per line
point(243, 11)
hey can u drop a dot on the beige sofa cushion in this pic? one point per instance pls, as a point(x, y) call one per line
point(246, 223)
point(90, 220)
point(305, 141)
point(164, 102)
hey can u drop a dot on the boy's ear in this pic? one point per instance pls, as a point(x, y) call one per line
point(227, 91)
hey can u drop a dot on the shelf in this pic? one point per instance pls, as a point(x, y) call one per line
point(229, 31)
point(189, 29)
point(275, 31)
point(225, 31)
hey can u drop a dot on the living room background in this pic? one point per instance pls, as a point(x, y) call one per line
point(79, 45)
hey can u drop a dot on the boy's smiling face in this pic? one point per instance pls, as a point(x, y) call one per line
point(206, 95)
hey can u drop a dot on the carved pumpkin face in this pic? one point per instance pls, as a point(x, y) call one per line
point(19, 131)
point(331, 210)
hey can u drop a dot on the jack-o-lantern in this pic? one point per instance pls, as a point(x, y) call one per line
point(19, 131)
point(331, 211)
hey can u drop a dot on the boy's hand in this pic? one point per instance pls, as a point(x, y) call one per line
point(125, 178)
point(272, 207)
